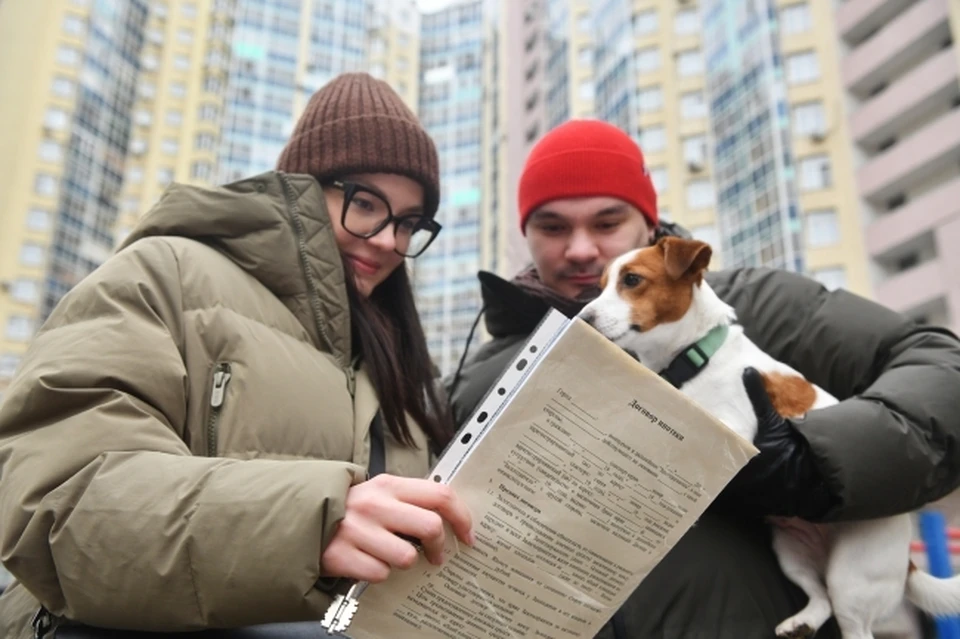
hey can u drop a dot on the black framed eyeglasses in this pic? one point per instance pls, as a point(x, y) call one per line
point(367, 212)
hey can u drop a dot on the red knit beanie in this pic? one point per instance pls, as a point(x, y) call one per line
point(586, 158)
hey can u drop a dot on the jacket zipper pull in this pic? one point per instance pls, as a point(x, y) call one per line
point(351, 380)
point(43, 622)
point(220, 379)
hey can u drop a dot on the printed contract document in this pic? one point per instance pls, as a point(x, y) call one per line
point(581, 469)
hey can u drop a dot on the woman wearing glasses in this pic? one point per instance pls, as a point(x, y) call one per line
point(187, 442)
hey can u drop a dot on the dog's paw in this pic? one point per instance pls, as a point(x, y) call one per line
point(793, 629)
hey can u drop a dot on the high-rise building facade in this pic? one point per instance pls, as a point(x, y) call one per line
point(773, 187)
point(68, 73)
point(119, 99)
point(282, 51)
point(454, 107)
point(179, 108)
point(900, 70)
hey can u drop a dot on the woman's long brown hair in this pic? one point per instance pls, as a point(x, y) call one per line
point(388, 336)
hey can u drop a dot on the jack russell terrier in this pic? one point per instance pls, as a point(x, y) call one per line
point(656, 305)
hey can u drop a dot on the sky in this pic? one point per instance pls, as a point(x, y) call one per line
point(432, 5)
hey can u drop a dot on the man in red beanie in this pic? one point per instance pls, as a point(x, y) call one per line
point(585, 197)
point(586, 180)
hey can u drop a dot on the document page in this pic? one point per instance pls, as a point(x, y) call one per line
point(589, 475)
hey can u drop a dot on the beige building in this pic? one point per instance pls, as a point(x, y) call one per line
point(824, 160)
point(178, 113)
point(65, 92)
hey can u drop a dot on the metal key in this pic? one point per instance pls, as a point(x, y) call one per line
point(344, 607)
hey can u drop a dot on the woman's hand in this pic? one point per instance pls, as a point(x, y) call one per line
point(366, 545)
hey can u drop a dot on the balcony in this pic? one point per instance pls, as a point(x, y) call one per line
point(922, 154)
point(914, 35)
point(913, 288)
point(857, 19)
point(891, 233)
point(912, 98)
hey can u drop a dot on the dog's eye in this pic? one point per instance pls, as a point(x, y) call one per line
point(631, 279)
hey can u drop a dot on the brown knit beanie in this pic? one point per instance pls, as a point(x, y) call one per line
point(358, 124)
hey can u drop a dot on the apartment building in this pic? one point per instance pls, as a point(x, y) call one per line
point(282, 51)
point(68, 72)
point(179, 108)
point(680, 77)
point(900, 69)
point(455, 109)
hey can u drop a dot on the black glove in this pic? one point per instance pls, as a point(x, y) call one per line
point(783, 479)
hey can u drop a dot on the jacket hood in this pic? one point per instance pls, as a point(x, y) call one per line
point(516, 307)
point(275, 226)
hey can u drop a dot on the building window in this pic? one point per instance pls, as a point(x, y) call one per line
point(181, 62)
point(586, 56)
point(147, 90)
point(822, 229)
point(204, 141)
point(659, 178)
point(178, 89)
point(832, 278)
point(31, 254)
point(690, 63)
point(174, 117)
point(815, 173)
point(646, 22)
point(19, 328)
point(808, 119)
point(795, 18)
point(650, 99)
point(584, 23)
point(169, 146)
point(73, 25)
point(25, 291)
point(653, 139)
point(647, 60)
point(50, 151)
point(802, 68)
point(8, 365)
point(164, 176)
point(143, 117)
point(45, 185)
point(687, 22)
point(188, 10)
point(695, 150)
point(201, 170)
point(38, 220)
point(208, 112)
point(700, 195)
point(586, 90)
point(693, 106)
point(62, 87)
point(135, 175)
point(67, 55)
point(55, 118)
point(185, 36)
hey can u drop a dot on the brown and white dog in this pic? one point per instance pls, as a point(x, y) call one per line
point(656, 304)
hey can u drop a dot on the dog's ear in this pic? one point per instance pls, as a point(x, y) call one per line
point(684, 257)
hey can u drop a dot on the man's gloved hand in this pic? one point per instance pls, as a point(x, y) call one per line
point(783, 479)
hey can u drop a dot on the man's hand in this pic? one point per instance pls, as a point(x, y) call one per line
point(783, 479)
point(367, 544)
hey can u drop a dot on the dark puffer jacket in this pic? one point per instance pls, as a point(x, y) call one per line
point(891, 445)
